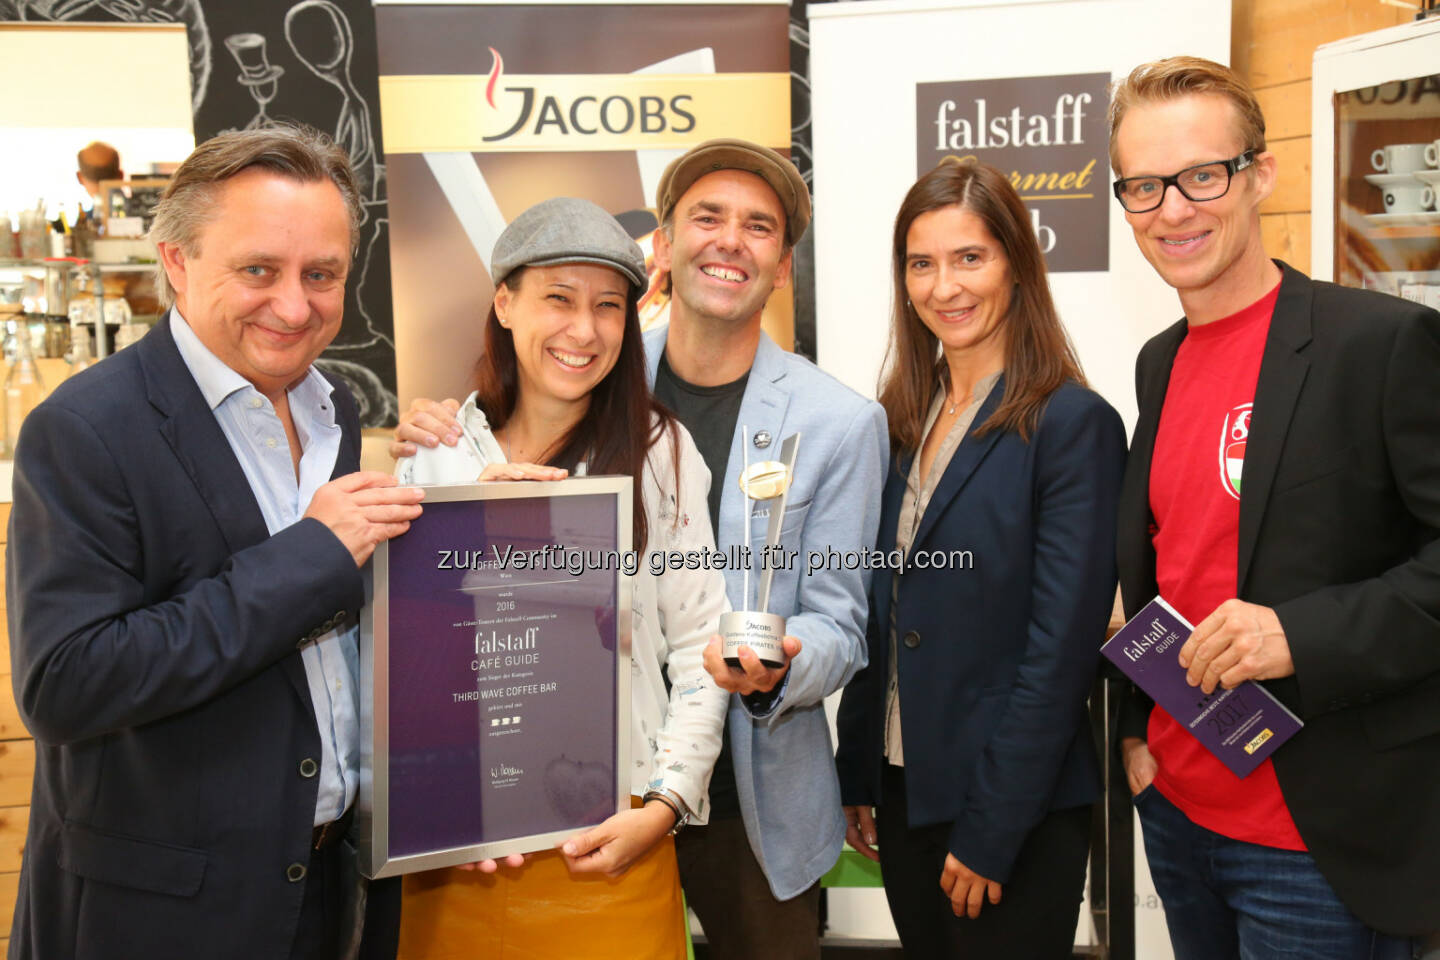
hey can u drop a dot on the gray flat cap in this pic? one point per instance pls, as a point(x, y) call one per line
point(568, 230)
point(731, 154)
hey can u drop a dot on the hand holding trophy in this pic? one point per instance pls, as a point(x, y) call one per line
point(758, 629)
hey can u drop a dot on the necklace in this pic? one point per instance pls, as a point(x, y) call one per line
point(509, 455)
point(953, 404)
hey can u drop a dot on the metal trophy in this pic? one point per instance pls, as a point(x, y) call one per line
point(759, 629)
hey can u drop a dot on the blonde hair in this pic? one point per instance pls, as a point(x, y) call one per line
point(1176, 77)
point(296, 152)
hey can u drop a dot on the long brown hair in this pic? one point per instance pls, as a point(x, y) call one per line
point(623, 420)
point(1038, 354)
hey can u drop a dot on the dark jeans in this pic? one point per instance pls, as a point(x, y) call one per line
point(1231, 900)
point(728, 891)
point(1039, 905)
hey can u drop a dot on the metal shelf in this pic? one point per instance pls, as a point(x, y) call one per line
point(65, 267)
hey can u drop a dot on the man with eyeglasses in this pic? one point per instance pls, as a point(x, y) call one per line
point(1319, 576)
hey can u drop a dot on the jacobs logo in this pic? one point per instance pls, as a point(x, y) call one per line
point(586, 114)
point(500, 111)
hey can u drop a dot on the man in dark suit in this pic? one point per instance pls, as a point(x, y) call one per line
point(1319, 575)
point(184, 580)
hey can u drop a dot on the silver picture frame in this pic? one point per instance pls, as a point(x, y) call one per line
point(380, 663)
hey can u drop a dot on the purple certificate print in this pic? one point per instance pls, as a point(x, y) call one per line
point(496, 721)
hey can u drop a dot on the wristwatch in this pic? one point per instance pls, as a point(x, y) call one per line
point(672, 800)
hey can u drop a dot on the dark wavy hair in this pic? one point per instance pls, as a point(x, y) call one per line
point(1038, 354)
point(624, 419)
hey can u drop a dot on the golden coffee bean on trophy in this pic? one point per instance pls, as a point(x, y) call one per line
point(764, 480)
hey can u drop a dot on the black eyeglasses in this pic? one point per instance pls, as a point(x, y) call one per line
point(1204, 181)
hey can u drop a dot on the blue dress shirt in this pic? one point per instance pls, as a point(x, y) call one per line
point(249, 421)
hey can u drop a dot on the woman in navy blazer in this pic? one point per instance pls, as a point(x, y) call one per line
point(1005, 471)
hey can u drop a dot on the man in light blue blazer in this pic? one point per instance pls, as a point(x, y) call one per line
point(731, 212)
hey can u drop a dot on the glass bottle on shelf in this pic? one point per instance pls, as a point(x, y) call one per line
point(79, 355)
point(24, 387)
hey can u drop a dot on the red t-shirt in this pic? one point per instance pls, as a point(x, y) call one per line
point(1195, 482)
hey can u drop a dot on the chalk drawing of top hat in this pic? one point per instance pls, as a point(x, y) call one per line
point(248, 49)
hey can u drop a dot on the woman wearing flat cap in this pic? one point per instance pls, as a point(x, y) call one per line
point(561, 389)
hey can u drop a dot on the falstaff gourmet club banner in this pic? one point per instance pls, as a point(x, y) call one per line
point(489, 108)
point(1049, 134)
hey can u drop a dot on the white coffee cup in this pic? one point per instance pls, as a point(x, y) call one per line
point(1408, 199)
point(1432, 154)
point(1402, 157)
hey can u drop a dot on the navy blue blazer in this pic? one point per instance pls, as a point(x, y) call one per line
point(154, 625)
point(995, 659)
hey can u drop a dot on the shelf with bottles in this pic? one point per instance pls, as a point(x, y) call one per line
point(24, 384)
point(51, 278)
point(14, 263)
point(74, 291)
point(28, 377)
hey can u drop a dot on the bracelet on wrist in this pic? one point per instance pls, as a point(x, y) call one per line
point(677, 807)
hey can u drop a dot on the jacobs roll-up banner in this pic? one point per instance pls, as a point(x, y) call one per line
point(489, 108)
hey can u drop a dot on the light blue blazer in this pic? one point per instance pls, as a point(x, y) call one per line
point(784, 766)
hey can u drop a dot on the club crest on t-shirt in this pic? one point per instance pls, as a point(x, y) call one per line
point(1232, 448)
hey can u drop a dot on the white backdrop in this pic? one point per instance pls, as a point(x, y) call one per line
point(71, 83)
point(865, 59)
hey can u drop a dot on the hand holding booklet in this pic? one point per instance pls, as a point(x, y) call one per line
point(1242, 726)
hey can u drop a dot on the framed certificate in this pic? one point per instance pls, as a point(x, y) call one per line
point(495, 673)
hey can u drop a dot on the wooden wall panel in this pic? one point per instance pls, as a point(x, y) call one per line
point(10, 726)
point(1292, 185)
point(1273, 41)
point(4, 621)
point(9, 891)
point(17, 770)
point(1287, 237)
point(1287, 110)
point(13, 822)
point(17, 767)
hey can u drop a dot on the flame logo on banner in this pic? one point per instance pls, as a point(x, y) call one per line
point(495, 72)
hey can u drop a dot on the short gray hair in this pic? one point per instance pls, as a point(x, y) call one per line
point(293, 151)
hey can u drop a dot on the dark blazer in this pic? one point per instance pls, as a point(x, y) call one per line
point(1339, 518)
point(995, 660)
point(154, 626)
